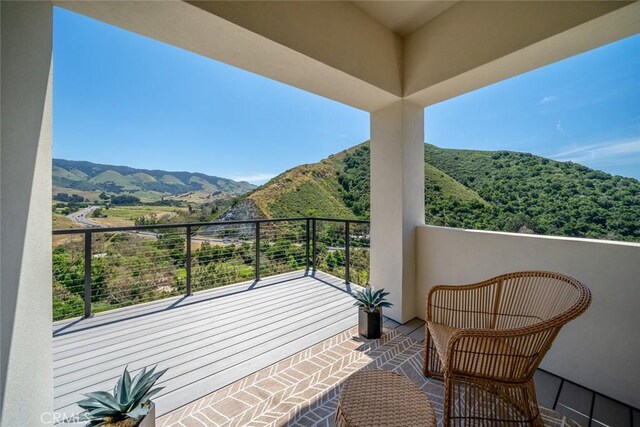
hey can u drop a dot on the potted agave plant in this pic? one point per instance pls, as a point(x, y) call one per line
point(130, 404)
point(370, 302)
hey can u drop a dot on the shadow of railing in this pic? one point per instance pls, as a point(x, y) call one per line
point(181, 302)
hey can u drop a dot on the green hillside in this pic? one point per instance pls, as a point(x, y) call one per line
point(545, 196)
point(76, 176)
point(487, 190)
point(337, 187)
point(447, 200)
point(306, 190)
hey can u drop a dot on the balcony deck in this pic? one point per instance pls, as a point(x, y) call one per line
point(207, 340)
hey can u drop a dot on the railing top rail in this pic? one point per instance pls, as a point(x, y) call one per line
point(352, 221)
point(195, 224)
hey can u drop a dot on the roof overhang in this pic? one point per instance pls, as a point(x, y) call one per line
point(340, 50)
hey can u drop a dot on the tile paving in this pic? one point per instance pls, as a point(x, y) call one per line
point(302, 390)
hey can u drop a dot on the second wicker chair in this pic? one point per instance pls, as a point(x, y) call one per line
point(487, 339)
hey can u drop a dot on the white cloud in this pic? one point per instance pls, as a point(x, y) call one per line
point(559, 127)
point(547, 99)
point(255, 178)
point(609, 153)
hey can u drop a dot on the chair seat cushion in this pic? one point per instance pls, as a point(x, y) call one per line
point(492, 357)
point(441, 335)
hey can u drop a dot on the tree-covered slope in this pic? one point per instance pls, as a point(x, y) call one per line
point(542, 195)
point(86, 176)
point(447, 200)
point(487, 190)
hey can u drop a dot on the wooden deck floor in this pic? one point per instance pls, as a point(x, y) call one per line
point(207, 340)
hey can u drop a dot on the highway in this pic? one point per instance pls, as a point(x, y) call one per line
point(82, 218)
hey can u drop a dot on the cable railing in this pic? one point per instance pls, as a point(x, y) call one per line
point(99, 269)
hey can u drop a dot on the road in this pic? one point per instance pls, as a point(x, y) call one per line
point(82, 218)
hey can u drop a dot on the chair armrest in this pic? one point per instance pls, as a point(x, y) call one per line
point(459, 306)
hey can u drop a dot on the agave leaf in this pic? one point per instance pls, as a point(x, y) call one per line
point(152, 393)
point(105, 398)
point(96, 423)
point(91, 404)
point(143, 380)
point(103, 412)
point(138, 397)
point(381, 294)
point(138, 413)
point(136, 379)
point(141, 395)
point(140, 386)
point(144, 374)
point(127, 378)
point(156, 376)
point(122, 394)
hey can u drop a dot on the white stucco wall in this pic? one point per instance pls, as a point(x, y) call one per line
point(26, 378)
point(600, 349)
point(397, 180)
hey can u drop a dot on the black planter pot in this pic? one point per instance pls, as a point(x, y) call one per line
point(370, 324)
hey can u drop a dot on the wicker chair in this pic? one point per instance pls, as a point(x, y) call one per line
point(487, 339)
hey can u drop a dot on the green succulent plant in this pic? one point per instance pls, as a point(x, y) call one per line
point(128, 404)
point(371, 300)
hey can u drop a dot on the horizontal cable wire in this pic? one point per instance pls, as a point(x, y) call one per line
point(129, 267)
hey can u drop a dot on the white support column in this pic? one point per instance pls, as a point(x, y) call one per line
point(397, 202)
point(26, 373)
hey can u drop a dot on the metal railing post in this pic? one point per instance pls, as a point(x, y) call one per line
point(188, 261)
point(307, 244)
point(315, 241)
point(347, 253)
point(257, 251)
point(87, 274)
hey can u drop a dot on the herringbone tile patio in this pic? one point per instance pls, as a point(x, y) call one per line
point(303, 389)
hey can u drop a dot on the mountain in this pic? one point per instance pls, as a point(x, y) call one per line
point(338, 187)
point(306, 190)
point(85, 177)
point(487, 190)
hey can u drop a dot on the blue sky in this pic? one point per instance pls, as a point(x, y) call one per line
point(585, 109)
point(120, 98)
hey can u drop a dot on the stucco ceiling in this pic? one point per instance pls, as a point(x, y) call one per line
point(404, 17)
